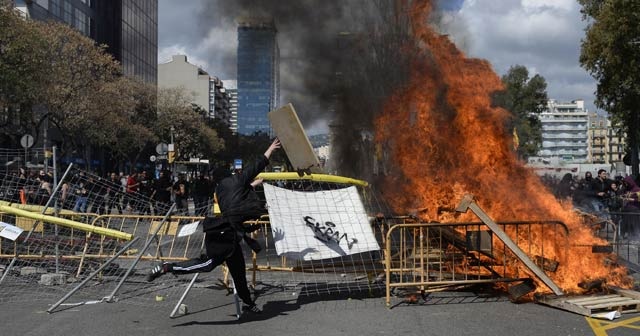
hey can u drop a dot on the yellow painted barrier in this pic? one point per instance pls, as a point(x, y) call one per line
point(26, 224)
point(36, 208)
point(67, 223)
point(312, 177)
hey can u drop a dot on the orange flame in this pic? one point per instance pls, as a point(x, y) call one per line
point(446, 139)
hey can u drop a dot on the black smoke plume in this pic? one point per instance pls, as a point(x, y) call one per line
point(339, 61)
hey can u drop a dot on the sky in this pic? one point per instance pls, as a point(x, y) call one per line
point(542, 35)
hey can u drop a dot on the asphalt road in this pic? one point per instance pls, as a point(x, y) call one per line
point(212, 312)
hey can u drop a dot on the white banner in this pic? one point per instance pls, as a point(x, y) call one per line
point(318, 225)
point(9, 231)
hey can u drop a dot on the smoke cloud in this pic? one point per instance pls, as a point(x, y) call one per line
point(339, 61)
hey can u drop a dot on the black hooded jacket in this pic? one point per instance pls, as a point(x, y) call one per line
point(238, 202)
point(236, 197)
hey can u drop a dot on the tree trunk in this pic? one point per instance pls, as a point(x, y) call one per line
point(633, 144)
point(87, 157)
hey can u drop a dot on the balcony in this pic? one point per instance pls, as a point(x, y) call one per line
point(549, 152)
point(581, 128)
point(563, 121)
point(572, 144)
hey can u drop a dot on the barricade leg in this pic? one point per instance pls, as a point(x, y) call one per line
point(184, 295)
point(142, 252)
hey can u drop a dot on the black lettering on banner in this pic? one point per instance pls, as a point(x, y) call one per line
point(327, 233)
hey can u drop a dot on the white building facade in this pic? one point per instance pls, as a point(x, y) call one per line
point(207, 91)
point(576, 141)
point(179, 73)
point(232, 91)
point(565, 132)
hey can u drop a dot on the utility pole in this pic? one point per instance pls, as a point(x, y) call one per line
point(171, 157)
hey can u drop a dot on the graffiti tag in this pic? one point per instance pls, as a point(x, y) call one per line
point(327, 233)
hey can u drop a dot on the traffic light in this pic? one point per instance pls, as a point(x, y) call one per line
point(171, 156)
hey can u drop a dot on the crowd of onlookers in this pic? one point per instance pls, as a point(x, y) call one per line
point(140, 192)
point(146, 193)
point(609, 198)
point(26, 186)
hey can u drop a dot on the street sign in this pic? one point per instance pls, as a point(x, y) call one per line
point(26, 141)
point(162, 148)
point(237, 164)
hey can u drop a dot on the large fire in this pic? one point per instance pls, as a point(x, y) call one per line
point(445, 140)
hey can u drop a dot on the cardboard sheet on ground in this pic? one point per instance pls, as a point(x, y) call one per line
point(318, 225)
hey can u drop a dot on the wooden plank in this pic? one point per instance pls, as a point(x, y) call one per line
point(289, 130)
point(627, 292)
point(592, 304)
point(581, 299)
point(568, 307)
point(611, 302)
point(625, 311)
point(616, 304)
point(468, 202)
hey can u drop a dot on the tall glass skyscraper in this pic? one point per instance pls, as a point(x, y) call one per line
point(128, 27)
point(258, 75)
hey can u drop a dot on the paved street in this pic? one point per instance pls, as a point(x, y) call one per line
point(211, 312)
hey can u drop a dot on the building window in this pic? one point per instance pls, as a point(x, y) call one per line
point(81, 22)
point(68, 13)
point(43, 3)
point(56, 8)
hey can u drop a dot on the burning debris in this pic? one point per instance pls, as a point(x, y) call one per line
point(547, 264)
point(447, 139)
point(591, 286)
point(518, 291)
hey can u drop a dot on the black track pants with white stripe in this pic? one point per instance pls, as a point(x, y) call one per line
point(235, 263)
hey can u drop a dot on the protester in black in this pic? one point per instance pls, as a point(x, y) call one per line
point(113, 192)
point(238, 202)
point(201, 194)
point(600, 186)
point(181, 194)
point(162, 188)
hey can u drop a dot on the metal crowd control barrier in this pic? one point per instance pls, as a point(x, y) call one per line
point(432, 256)
point(622, 230)
point(71, 235)
point(624, 235)
point(172, 243)
point(426, 256)
point(51, 240)
point(47, 233)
